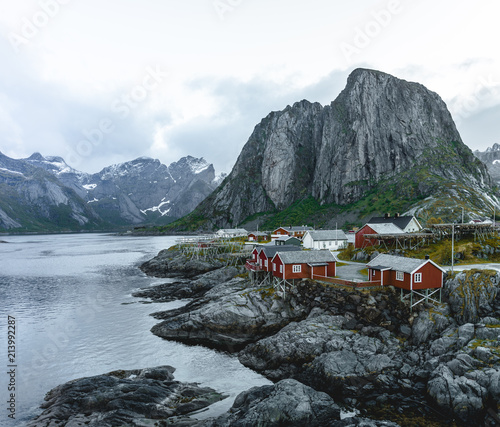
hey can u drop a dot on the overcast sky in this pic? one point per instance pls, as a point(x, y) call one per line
point(103, 82)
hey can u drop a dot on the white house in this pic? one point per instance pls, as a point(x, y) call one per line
point(324, 239)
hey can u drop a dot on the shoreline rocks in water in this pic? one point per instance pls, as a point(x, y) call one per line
point(172, 263)
point(328, 347)
point(365, 349)
point(133, 397)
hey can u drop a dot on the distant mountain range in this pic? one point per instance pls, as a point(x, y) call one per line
point(44, 193)
point(491, 158)
point(383, 145)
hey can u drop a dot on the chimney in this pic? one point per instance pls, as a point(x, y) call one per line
point(427, 257)
point(396, 215)
point(387, 215)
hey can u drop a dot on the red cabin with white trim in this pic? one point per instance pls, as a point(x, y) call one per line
point(303, 265)
point(405, 273)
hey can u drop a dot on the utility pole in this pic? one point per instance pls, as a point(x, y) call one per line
point(462, 215)
point(452, 244)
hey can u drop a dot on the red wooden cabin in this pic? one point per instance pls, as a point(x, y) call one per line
point(303, 265)
point(360, 241)
point(405, 273)
point(263, 255)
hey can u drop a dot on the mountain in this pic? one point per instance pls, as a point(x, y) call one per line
point(44, 193)
point(383, 144)
point(491, 158)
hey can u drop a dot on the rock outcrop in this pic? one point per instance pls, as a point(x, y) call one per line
point(286, 403)
point(474, 294)
point(119, 398)
point(172, 263)
point(229, 316)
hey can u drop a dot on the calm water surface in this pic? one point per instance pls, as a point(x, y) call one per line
point(75, 317)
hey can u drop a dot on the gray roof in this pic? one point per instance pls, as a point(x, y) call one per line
point(270, 251)
point(400, 221)
point(327, 235)
point(296, 228)
point(387, 228)
point(306, 257)
point(285, 238)
point(407, 265)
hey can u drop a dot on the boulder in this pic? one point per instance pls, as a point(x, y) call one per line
point(286, 403)
point(473, 294)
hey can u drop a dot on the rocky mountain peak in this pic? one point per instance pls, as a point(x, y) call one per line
point(494, 147)
point(36, 157)
point(379, 131)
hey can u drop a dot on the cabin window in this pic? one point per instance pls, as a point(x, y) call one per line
point(265, 262)
point(400, 276)
point(274, 267)
point(297, 269)
point(281, 268)
point(418, 277)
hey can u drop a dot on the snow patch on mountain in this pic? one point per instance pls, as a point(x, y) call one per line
point(158, 209)
point(11, 171)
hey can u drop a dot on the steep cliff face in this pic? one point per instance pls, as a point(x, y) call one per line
point(379, 131)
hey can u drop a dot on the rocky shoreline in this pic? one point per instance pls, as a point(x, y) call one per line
point(331, 350)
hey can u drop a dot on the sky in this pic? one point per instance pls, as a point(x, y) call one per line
point(104, 82)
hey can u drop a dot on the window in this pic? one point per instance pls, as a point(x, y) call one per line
point(274, 267)
point(281, 268)
point(418, 277)
point(296, 268)
point(265, 262)
point(400, 276)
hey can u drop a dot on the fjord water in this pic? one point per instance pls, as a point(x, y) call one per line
point(75, 316)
